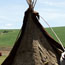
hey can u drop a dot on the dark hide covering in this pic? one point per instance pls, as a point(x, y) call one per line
point(34, 43)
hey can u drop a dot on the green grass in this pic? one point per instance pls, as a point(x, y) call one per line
point(8, 37)
point(2, 58)
point(60, 31)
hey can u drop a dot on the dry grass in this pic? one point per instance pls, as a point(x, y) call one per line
point(2, 58)
point(4, 55)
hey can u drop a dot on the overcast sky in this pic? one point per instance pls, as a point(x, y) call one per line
point(12, 12)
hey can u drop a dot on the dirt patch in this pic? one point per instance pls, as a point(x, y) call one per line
point(5, 53)
point(5, 48)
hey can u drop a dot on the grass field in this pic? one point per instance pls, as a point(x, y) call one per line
point(60, 31)
point(2, 58)
point(8, 37)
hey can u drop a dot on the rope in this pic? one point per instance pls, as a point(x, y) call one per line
point(53, 32)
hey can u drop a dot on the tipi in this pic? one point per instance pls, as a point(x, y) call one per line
point(34, 46)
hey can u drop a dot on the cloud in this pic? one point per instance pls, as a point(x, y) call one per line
point(52, 10)
point(8, 25)
point(11, 15)
point(52, 3)
point(59, 4)
point(53, 16)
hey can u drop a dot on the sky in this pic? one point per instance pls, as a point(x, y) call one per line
point(12, 13)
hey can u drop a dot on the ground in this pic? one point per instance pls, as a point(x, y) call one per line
point(4, 55)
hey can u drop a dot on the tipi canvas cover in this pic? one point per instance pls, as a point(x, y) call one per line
point(34, 46)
